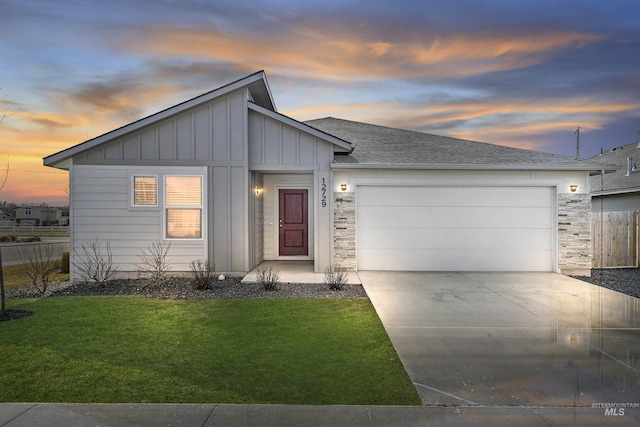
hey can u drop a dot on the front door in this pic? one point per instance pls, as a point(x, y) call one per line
point(293, 222)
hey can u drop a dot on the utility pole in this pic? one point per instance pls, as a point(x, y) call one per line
point(577, 134)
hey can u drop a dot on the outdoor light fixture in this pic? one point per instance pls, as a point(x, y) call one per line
point(258, 191)
point(573, 188)
point(343, 187)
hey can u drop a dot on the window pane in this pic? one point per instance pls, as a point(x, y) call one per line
point(184, 190)
point(184, 223)
point(145, 190)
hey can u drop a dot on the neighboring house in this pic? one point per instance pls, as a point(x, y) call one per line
point(6, 218)
point(618, 191)
point(38, 215)
point(616, 199)
point(225, 177)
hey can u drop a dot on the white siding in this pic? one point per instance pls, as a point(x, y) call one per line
point(102, 210)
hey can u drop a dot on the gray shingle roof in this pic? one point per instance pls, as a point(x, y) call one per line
point(379, 145)
point(618, 182)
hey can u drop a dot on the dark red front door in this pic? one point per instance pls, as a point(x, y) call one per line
point(294, 227)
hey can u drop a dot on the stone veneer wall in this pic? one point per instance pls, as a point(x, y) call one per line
point(574, 234)
point(344, 230)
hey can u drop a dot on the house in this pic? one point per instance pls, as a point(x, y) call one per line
point(618, 191)
point(225, 177)
point(38, 215)
point(6, 218)
point(616, 205)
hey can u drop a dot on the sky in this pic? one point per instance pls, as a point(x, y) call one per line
point(521, 73)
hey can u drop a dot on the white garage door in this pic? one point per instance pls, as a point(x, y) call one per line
point(454, 229)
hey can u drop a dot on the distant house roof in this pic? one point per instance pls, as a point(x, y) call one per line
point(620, 181)
point(4, 213)
point(379, 146)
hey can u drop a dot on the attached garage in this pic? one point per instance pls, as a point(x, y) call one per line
point(408, 228)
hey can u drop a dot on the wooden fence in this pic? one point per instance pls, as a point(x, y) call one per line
point(615, 239)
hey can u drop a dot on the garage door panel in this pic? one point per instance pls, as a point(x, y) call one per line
point(453, 196)
point(454, 260)
point(448, 239)
point(451, 228)
point(453, 217)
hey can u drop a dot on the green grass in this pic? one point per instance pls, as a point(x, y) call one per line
point(135, 349)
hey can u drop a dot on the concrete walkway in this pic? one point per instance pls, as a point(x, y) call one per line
point(190, 415)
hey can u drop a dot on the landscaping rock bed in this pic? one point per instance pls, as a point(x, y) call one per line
point(181, 288)
point(624, 280)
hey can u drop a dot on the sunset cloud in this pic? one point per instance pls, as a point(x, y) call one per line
point(523, 74)
point(346, 56)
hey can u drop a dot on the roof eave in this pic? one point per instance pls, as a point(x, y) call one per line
point(616, 191)
point(576, 168)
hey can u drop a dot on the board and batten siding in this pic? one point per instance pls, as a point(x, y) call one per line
point(211, 135)
point(277, 145)
point(289, 157)
point(102, 211)
point(213, 132)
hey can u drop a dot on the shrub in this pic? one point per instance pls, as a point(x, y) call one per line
point(269, 278)
point(203, 275)
point(95, 266)
point(336, 277)
point(39, 263)
point(153, 263)
point(64, 263)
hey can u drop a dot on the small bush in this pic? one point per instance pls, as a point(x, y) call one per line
point(153, 263)
point(64, 263)
point(203, 275)
point(39, 264)
point(336, 277)
point(93, 265)
point(269, 278)
point(8, 238)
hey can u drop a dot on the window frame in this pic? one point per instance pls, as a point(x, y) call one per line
point(166, 207)
point(132, 203)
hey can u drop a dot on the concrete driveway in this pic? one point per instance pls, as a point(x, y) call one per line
point(514, 339)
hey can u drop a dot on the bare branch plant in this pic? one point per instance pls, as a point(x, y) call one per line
point(94, 265)
point(153, 263)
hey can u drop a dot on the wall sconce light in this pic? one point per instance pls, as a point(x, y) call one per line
point(258, 191)
point(573, 188)
point(343, 187)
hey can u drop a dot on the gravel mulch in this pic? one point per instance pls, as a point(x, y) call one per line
point(624, 280)
point(181, 289)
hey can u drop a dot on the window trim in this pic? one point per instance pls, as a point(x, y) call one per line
point(166, 207)
point(132, 201)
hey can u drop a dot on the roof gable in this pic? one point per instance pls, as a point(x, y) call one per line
point(256, 84)
point(379, 146)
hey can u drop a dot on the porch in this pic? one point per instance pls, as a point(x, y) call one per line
point(295, 272)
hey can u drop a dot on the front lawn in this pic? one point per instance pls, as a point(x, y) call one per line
point(136, 349)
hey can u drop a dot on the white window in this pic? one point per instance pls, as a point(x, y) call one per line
point(145, 190)
point(183, 206)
